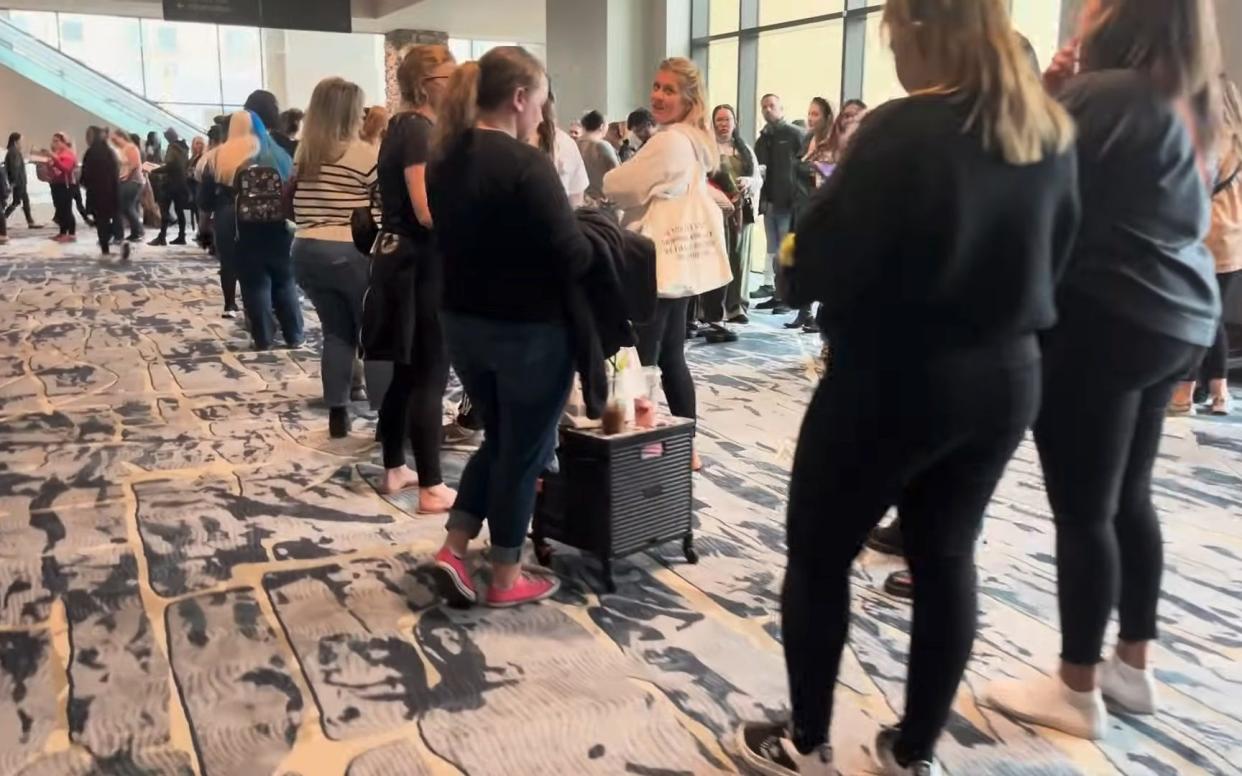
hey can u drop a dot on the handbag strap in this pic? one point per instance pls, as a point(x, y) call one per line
point(1223, 185)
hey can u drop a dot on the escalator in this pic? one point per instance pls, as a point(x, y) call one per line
point(90, 90)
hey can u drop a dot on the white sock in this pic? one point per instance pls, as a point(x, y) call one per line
point(1048, 701)
point(1132, 688)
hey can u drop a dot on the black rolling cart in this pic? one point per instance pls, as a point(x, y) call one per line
point(616, 495)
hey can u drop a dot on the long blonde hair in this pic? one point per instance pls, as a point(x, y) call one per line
point(972, 43)
point(694, 94)
point(484, 85)
point(240, 148)
point(1231, 118)
point(330, 125)
point(417, 64)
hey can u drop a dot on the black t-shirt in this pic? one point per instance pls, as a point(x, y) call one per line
point(509, 238)
point(407, 143)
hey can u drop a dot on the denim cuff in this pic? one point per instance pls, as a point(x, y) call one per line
point(460, 520)
point(505, 555)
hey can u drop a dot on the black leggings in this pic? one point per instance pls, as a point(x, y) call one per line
point(21, 198)
point(168, 204)
point(1215, 365)
point(1107, 384)
point(932, 439)
point(662, 343)
point(104, 230)
point(414, 402)
point(62, 200)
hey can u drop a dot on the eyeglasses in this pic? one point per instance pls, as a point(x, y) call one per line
point(436, 78)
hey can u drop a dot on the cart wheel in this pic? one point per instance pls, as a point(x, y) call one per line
point(610, 584)
point(687, 549)
point(543, 554)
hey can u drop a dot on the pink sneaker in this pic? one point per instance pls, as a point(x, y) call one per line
point(527, 590)
point(455, 582)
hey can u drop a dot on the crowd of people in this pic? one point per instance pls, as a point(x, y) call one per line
point(1021, 239)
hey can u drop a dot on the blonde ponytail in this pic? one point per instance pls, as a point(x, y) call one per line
point(459, 108)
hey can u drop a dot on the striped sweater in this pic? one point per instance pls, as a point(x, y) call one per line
point(323, 204)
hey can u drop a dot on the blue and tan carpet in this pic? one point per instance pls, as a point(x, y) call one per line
point(195, 579)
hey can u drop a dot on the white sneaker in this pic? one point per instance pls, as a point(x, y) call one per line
point(767, 749)
point(1049, 702)
point(884, 742)
point(1134, 689)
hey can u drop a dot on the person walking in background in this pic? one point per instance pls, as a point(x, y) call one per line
point(375, 125)
point(175, 191)
point(401, 318)
point(1137, 306)
point(1225, 242)
point(62, 165)
point(260, 254)
point(669, 166)
point(562, 149)
point(960, 280)
point(15, 167)
point(777, 150)
point(216, 205)
point(336, 174)
point(511, 248)
point(598, 156)
point(101, 179)
point(740, 179)
point(289, 130)
point(198, 147)
point(132, 183)
point(152, 152)
point(640, 126)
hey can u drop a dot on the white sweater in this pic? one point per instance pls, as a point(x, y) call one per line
point(663, 168)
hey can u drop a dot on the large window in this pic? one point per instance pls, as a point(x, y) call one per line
point(799, 63)
point(195, 71)
point(722, 72)
point(778, 11)
point(1040, 22)
point(880, 82)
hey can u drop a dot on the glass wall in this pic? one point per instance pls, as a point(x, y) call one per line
point(798, 63)
point(195, 71)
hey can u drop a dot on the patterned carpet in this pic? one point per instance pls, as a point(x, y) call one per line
point(195, 579)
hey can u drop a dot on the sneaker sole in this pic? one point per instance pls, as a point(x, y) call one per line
point(753, 762)
point(556, 586)
point(453, 588)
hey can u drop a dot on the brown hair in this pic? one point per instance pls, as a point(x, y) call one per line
point(547, 128)
point(418, 63)
point(973, 43)
point(484, 85)
point(1173, 42)
point(375, 125)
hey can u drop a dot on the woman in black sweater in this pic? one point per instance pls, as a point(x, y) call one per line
point(510, 245)
point(1138, 305)
point(938, 238)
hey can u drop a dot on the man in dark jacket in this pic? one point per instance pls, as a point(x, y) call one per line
point(101, 180)
point(4, 199)
point(173, 189)
point(778, 149)
point(15, 168)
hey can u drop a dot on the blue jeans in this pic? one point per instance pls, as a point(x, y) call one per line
point(265, 269)
point(334, 276)
point(518, 377)
point(776, 225)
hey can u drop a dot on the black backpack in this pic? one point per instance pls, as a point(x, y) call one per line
point(260, 196)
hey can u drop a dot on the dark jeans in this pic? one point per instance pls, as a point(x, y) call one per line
point(179, 203)
point(225, 241)
point(21, 197)
point(931, 438)
point(62, 200)
point(1215, 364)
point(518, 376)
point(131, 207)
point(104, 229)
point(334, 276)
point(1107, 384)
point(265, 269)
point(662, 343)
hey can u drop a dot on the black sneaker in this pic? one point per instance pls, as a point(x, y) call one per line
point(771, 304)
point(338, 422)
point(762, 292)
point(179, 241)
point(157, 242)
point(126, 250)
point(802, 319)
point(719, 335)
point(782, 309)
point(765, 748)
point(900, 584)
point(884, 743)
point(887, 539)
point(740, 319)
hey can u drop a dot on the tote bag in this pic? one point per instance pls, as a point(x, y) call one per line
point(689, 236)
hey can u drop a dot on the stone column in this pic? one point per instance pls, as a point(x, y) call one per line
point(396, 43)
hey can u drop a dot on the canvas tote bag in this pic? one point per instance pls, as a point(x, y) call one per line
point(689, 236)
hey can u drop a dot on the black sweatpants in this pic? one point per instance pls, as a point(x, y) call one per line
point(167, 204)
point(21, 198)
point(1107, 384)
point(104, 229)
point(662, 343)
point(1215, 364)
point(933, 439)
point(62, 200)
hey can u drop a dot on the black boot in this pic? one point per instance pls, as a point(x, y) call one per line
point(338, 422)
point(802, 319)
point(887, 539)
point(159, 240)
point(179, 241)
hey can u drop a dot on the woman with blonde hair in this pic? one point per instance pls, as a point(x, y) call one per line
point(939, 236)
point(1225, 242)
point(1136, 307)
point(375, 124)
point(401, 316)
point(258, 252)
point(133, 181)
point(676, 159)
point(336, 175)
point(511, 247)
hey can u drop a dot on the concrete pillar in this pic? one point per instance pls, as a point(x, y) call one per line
point(396, 43)
point(1070, 11)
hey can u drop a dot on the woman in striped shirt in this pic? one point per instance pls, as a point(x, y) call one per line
point(335, 175)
